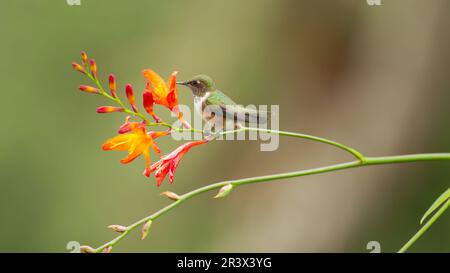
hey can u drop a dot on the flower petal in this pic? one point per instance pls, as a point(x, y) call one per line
point(146, 154)
point(119, 143)
point(158, 84)
point(137, 149)
point(172, 96)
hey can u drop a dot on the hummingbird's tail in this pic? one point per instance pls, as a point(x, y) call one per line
point(258, 117)
point(241, 114)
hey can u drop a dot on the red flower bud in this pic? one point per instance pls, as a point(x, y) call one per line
point(87, 249)
point(118, 228)
point(84, 57)
point(112, 85)
point(89, 89)
point(93, 69)
point(78, 67)
point(130, 96)
point(109, 109)
point(147, 98)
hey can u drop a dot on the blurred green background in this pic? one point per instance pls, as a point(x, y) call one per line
point(375, 78)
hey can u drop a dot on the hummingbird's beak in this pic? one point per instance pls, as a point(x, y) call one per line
point(182, 83)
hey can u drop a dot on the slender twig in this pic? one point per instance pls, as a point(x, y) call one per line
point(238, 182)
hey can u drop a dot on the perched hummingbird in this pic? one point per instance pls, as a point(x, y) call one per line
point(216, 107)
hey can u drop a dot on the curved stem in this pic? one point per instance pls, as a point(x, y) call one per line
point(352, 151)
point(238, 182)
point(425, 227)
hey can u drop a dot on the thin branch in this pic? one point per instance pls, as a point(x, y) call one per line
point(425, 227)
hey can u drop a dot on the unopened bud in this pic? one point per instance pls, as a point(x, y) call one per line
point(130, 95)
point(118, 228)
point(145, 229)
point(107, 249)
point(93, 68)
point(147, 99)
point(87, 249)
point(78, 67)
point(84, 57)
point(109, 109)
point(171, 195)
point(224, 191)
point(112, 85)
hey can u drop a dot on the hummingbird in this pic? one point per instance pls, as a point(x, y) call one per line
point(219, 109)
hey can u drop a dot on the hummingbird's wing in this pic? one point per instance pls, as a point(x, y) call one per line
point(229, 109)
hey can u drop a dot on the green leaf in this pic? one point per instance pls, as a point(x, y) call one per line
point(444, 197)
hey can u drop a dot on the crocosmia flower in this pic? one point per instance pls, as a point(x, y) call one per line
point(168, 163)
point(136, 142)
point(159, 92)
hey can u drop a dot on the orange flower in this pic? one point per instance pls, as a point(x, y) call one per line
point(159, 92)
point(137, 142)
point(168, 163)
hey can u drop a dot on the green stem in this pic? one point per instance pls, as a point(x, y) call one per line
point(238, 182)
point(425, 227)
point(352, 151)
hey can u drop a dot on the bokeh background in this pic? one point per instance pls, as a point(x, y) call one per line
point(373, 77)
